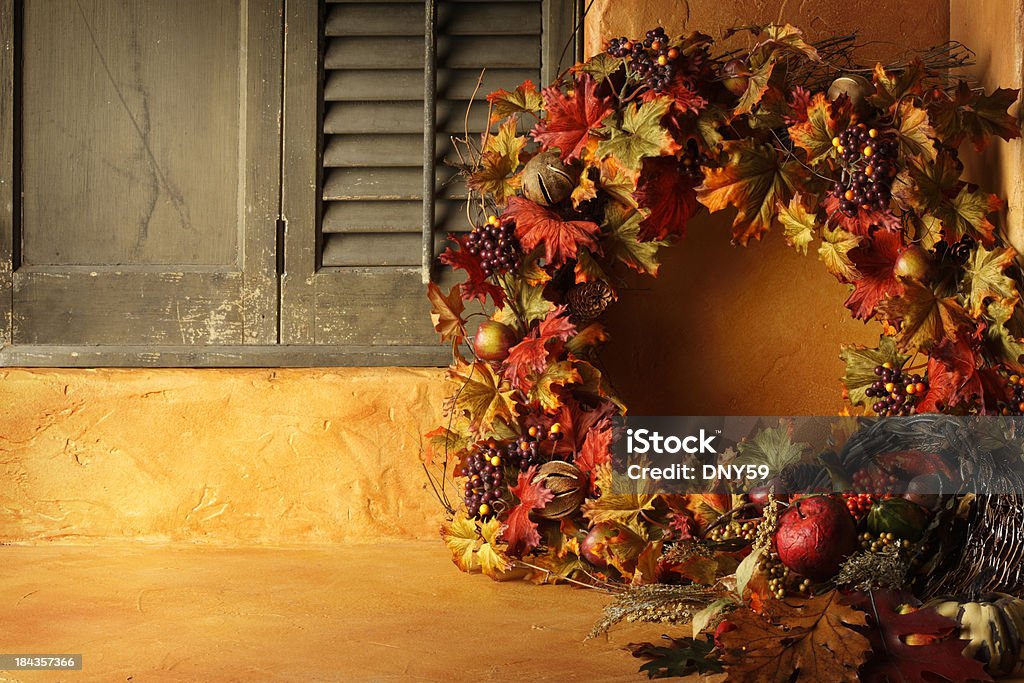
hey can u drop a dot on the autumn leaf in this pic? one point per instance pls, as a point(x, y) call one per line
point(491, 554)
point(528, 304)
point(953, 378)
point(476, 285)
point(622, 242)
point(796, 640)
point(600, 66)
point(587, 338)
point(798, 224)
point(892, 87)
point(666, 189)
point(984, 277)
point(974, 115)
point(763, 58)
point(596, 451)
point(524, 99)
point(520, 531)
point(530, 355)
point(754, 181)
point(1008, 346)
point(461, 537)
point(757, 84)
point(542, 386)
point(538, 225)
point(482, 394)
point(613, 506)
point(860, 367)
point(446, 312)
point(834, 252)
point(824, 121)
point(875, 261)
point(639, 134)
point(788, 38)
point(936, 189)
point(915, 133)
point(862, 223)
point(772, 446)
point(685, 100)
point(926, 318)
point(571, 120)
point(895, 660)
point(499, 162)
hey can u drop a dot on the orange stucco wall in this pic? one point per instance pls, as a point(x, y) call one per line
point(290, 456)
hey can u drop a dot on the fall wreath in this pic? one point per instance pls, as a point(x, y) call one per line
point(578, 184)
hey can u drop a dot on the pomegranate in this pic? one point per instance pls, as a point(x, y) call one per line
point(815, 535)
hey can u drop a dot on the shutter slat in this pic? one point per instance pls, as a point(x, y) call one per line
point(467, 19)
point(392, 216)
point(406, 118)
point(407, 84)
point(396, 249)
point(347, 184)
point(403, 52)
point(373, 150)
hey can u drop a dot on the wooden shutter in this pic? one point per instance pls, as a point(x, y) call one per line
point(146, 172)
point(357, 278)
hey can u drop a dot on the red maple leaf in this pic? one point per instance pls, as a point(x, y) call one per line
point(685, 99)
point(665, 188)
point(520, 531)
point(476, 285)
point(570, 119)
point(577, 421)
point(596, 451)
point(895, 659)
point(863, 221)
point(955, 377)
point(531, 353)
point(537, 225)
point(875, 260)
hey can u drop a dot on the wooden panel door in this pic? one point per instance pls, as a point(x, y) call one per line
point(147, 155)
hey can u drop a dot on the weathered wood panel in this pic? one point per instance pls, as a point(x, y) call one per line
point(375, 249)
point(455, 52)
point(407, 84)
point(7, 178)
point(131, 132)
point(150, 171)
point(343, 184)
point(471, 18)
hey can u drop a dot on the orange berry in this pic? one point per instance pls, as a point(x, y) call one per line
point(849, 195)
point(673, 53)
point(532, 431)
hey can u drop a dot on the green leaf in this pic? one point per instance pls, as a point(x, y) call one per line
point(600, 66)
point(1008, 346)
point(773, 447)
point(984, 277)
point(800, 226)
point(860, 367)
point(639, 135)
point(915, 133)
point(757, 85)
point(526, 304)
point(683, 657)
point(622, 243)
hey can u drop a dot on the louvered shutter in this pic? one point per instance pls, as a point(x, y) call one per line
point(369, 233)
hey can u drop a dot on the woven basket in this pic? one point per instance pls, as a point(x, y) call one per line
point(975, 543)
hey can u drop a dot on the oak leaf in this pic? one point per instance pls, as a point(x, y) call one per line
point(538, 225)
point(754, 180)
point(520, 531)
point(796, 640)
point(667, 191)
point(571, 120)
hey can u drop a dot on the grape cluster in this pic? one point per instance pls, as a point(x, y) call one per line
point(869, 163)
point(897, 392)
point(485, 483)
point(496, 246)
point(653, 59)
point(957, 253)
point(692, 160)
point(1015, 392)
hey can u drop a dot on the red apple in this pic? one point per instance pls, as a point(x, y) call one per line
point(493, 340)
point(815, 535)
point(758, 496)
point(735, 76)
point(913, 262)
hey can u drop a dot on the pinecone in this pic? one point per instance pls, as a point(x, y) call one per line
point(800, 478)
point(588, 300)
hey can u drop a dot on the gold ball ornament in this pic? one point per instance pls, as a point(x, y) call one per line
point(547, 180)
point(857, 88)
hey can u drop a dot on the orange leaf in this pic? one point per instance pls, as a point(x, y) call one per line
point(571, 119)
point(520, 531)
point(538, 225)
point(446, 312)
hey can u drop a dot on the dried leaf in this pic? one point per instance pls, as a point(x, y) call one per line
point(446, 313)
point(834, 252)
point(483, 396)
point(824, 121)
point(520, 531)
point(975, 115)
point(860, 367)
point(926, 318)
point(772, 446)
point(915, 133)
point(622, 242)
point(875, 261)
point(799, 224)
point(667, 190)
point(571, 120)
point(524, 99)
point(985, 278)
point(538, 225)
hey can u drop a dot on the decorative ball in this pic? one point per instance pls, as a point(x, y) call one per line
point(857, 88)
point(547, 179)
point(568, 485)
point(815, 535)
point(493, 340)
